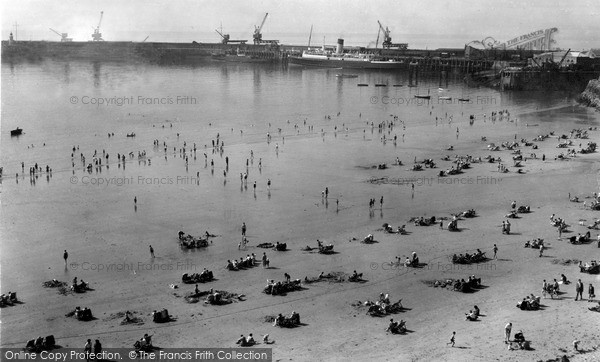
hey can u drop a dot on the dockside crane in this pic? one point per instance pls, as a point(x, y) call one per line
point(97, 36)
point(63, 36)
point(387, 39)
point(225, 38)
point(257, 36)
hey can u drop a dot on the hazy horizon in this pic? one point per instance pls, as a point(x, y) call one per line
point(428, 24)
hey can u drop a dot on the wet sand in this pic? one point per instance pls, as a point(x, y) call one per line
point(101, 228)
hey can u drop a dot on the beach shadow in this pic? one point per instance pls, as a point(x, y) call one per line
point(504, 259)
point(293, 326)
point(462, 347)
point(283, 294)
point(473, 289)
point(168, 320)
point(583, 351)
point(272, 267)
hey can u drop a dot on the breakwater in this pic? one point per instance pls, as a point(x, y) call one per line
point(425, 60)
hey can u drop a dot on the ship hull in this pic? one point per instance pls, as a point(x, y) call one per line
point(346, 64)
point(241, 59)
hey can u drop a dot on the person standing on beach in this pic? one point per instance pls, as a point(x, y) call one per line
point(135, 200)
point(97, 349)
point(452, 339)
point(507, 330)
point(541, 250)
point(579, 290)
point(591, 294)
point(151, 251)
point(65, 256)
point(495, 250)
point(243, 229)
point(381, 203)
point(87, 349)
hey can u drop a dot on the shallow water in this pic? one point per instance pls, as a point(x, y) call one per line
point(73, 209)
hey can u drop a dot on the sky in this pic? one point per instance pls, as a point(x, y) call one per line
point(422, 23)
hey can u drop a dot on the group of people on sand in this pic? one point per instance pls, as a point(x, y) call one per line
point(282, 321)
point(396, 327)
point(413, 261)
point(469, 258)
point(79, 287)
point(249, 341)
point(383, 305)
point(247, 262)
point(466, 285)
point(530, 302)
point(473, 314)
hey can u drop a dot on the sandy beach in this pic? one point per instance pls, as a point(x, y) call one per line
point(107, 235)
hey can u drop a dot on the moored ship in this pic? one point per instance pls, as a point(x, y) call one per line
point(338, 59)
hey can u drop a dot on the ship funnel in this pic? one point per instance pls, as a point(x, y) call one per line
point(340, 46)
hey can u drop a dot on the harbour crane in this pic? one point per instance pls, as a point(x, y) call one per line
point(387, 39)
point(225, 38)
point(257, 36)
point(63, 36)
point(97, 36)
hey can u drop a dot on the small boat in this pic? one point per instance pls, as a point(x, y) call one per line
point(462, 99)
point(380, 85)
point(16, 132)
point(131, 134)
point(445, 98)
point(342, 75)
point(423, 96)
point(362, 85)
point(397, 85)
